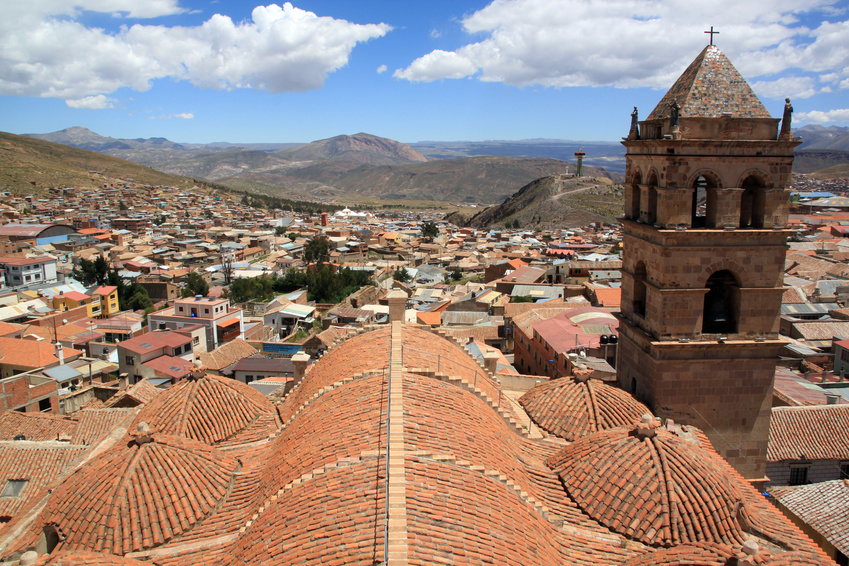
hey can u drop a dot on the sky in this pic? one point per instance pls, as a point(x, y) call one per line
point(442, 70)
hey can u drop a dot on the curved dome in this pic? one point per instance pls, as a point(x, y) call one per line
point(211, 410)
point(573, 407)
point(139, 495)
point(712, 554)
point(651, 485)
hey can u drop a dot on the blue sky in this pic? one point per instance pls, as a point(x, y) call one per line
point(410, 70)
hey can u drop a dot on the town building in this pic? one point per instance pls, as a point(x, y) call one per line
point(222, 322)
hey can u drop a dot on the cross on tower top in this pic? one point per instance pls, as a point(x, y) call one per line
point(711, 32)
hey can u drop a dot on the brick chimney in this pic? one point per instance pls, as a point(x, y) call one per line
point(397, 300)
point(300, 360)
point(490, 361)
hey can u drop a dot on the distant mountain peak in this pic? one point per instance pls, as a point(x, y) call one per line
point(361, 148)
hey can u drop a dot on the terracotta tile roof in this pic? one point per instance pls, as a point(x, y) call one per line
point(42, 464)
point(429, 318)
point(95, 424)
point(809, 433)
point(226, 354)
point(170, 366)
point(572, 408)
point(608, 298)
point(213, 410)
point(86, 558)
point(85, 427)
point(824, 506)
point(35, 426)
point(345, 503)
point(709, 88)
point(343, 361)
point(139, 495)
point(30, 353)
point(141, 393)
point(661, 491)
point(713, 554)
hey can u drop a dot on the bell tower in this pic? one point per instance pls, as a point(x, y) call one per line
point(704, 236)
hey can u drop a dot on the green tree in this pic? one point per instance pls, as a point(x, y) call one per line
point(456, 275)
point(90, 272)
point(280, 230)
point(317, 251)
point(293, 236)
point(430, 230)
point(402, 275)
point(195, 285)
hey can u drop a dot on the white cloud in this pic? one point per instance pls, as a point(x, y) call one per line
point(382, 69)
point(838, 116)
point(434, 34)
point(47, 52)
point(96, 102)
point(793, 87)
point(182, 116)
point(438, 65)
point(626, 43)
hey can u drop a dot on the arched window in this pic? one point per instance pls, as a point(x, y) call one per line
point(652, 204)
point(635, 195)
point(752, 203)
point(639, 302)
point(704, 197)
point(722, 307)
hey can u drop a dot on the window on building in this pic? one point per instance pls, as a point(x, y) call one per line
point(639, 301)
point(844, 470)
point(44, 405)
point(196, 341)
point(13, 488)
point(162, 326)
point(721, 303)
point(205, 311)
point(27, 278)
point(752, 203)
point(130, 360)
point(249, 378)
point(798, 475)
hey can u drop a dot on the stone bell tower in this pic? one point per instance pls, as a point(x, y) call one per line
point(704, 237)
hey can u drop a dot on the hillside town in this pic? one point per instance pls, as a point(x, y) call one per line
point(196, 323)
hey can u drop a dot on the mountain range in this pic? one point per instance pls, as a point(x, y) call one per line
point(337, 168)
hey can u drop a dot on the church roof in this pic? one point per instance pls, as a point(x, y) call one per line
point(571, 408)
point(466, 483)
point(711, 87)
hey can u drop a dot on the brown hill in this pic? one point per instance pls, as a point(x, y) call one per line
point(30, 165)
point(559, 201)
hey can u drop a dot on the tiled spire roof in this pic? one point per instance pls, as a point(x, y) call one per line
point(139, 495)
point(709, 88)
point(572, 408)
point(212, 410)
point(659, 489)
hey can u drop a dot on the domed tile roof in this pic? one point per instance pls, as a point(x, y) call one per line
point(573, 407)
point(712, 554)
point(651, 485)
point(212, 410)
point(139, 495)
